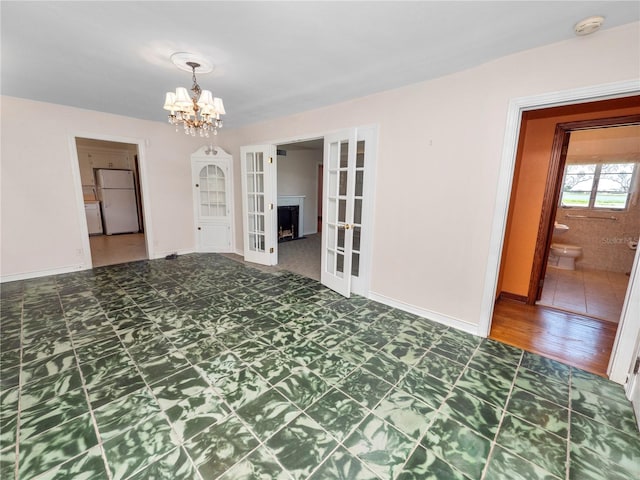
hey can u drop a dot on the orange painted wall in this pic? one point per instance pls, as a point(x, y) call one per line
point(530, 177)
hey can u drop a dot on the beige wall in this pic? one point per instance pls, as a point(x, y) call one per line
point(439, 150)
point(41, 217)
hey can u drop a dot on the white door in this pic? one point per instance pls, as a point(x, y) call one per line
point(338, 198)
point(348, 197)
point(212, 195)
point(258, 166)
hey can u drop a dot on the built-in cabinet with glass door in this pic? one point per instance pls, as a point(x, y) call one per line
point(212, 196)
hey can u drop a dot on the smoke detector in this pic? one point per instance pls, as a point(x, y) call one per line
point(588, 25)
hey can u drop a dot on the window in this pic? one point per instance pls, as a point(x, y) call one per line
point(597, 185)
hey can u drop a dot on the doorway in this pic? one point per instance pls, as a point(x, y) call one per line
point(110, 179)
point(348, 190)
point(298, 197)
point(565, 336)
point(596, 221)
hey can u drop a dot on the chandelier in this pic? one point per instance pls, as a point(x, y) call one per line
point(198, 113)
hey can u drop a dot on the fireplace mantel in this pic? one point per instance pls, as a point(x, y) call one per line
point(289, 200)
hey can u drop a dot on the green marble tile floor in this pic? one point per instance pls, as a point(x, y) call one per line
point(204, 368)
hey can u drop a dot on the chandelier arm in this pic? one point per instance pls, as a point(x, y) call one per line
point(198, 120)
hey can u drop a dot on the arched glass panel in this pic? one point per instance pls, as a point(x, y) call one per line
point(213, 195)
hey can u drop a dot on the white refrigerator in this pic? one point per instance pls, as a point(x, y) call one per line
point(117, 195)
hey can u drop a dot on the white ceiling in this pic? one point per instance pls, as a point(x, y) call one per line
point(272, 58)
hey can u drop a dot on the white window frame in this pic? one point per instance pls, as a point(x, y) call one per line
point(594, 187)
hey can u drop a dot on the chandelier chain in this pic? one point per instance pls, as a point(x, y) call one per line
point(195, 88)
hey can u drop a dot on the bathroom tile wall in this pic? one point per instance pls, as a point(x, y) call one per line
point(603, 242)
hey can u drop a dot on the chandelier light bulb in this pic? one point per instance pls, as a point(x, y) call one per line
point(199, 112)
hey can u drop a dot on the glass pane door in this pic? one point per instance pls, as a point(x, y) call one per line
point(337, 231)
point(255, 201)
point(258, 192)
point(358, 198)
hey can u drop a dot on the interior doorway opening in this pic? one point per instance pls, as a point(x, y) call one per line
point(578, 339)
point(348, 195)
point(110, 179)
point(298, 201)
point(595, 224)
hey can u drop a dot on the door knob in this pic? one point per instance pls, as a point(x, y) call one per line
point(346, 226)
point(199, 228)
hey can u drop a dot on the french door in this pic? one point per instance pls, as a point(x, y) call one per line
point(258, 166)
point(347, 196)
point(338, 195)
point(348, 187)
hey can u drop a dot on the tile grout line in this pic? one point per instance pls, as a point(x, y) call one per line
point(272, 386)
point(80, 372)
point(436, 410)
point(468, 366)
point(494, 442)
point(525, 420)
point(330, 386)
point(244, 362)
point(304, 411)
point(369, 411)
point(148, 387)
point(339, 443)
point(85, 389)
point(20, 385)
point(569, 415)
point(232, 411)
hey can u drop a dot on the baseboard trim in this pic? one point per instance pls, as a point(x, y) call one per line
point(159, 255)
point(42, 273)
point(74, 268)
point(428, 314)
point(512, 296)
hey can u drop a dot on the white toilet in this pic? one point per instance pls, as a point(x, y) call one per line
point(566, 255)
point(563, 255)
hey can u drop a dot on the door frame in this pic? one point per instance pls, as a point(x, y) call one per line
point(270, 201)
point(363, 285)
point(213, 155)
point(622, 355)
point(332, 156)
point(552, 192)
point(87, 262)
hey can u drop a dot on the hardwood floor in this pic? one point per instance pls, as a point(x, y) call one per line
point(580, 341)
